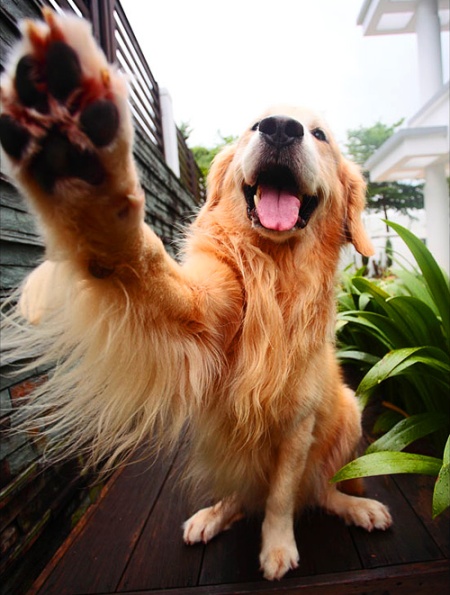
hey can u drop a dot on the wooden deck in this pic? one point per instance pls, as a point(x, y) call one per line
point(130, 542)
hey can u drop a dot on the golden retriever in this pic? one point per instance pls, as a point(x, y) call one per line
point(237, 338)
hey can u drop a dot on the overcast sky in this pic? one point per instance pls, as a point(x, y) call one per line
point(225, 61)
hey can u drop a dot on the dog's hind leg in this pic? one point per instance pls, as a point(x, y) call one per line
point(362, 512)
point(209, 522)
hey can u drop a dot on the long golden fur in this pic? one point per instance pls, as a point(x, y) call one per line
point(237, 339)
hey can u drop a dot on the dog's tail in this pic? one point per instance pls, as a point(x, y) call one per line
point(116, 379)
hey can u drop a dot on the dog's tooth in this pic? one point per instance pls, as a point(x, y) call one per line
point(257, 196)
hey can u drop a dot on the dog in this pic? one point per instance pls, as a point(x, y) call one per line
point(236, 337)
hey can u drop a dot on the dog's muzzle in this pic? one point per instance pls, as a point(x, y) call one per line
point(276, 202)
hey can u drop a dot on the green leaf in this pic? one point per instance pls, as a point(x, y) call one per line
point(367, 286)
point(377, 325)
point(413, 319)
point(399, 361)
point(386, 421)
point(434, 277)
point(441, 494)
point(364, 301)
point(423, 326)
point(340, 324)
point(415, 286)
point(408, 430)
point(345, 302)
point(352, 356)
point(388, 463)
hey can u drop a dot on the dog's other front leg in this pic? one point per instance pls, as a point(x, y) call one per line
point(279, 551)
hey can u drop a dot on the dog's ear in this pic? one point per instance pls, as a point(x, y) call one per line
point(355, 194)
point(217, 174)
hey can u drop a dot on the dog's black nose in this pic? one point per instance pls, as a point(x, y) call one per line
point(280, 131)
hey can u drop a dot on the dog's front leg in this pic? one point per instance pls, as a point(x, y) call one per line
point(137, 338)
point(279, 551)
point(66, 130)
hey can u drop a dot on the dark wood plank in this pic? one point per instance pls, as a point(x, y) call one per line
point(132, 543)
point(407, 541)
point(324, 543)
point(161, 559)
point(404, 579)
point(418, 489)
point(95, 560)
point(233, 556)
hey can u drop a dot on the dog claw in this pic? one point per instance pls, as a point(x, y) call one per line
point(106, 77)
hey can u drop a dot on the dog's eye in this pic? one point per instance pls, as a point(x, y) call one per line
point(319, 134)
point(255, 126)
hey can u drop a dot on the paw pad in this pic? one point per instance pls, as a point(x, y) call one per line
point(14, 137)
point(58, 158)
point(100, 121)
point(29, 83)
point(63, 70)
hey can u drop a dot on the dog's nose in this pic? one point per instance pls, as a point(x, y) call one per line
point(280, 130)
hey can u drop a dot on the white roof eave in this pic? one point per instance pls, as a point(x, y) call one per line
point(398, 157)
point(374, 12)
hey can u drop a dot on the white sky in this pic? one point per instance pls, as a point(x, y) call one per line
point(225, 61)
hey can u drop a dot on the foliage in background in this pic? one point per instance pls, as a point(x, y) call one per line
point(204, 155)
point(397, 331)
point(381, 196)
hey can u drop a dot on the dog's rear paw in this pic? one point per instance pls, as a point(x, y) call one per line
point(64, 108)
point(369, 514)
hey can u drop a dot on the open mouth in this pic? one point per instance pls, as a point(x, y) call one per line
point(276, 203)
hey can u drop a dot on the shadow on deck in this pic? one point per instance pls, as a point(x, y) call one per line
point(130, 542)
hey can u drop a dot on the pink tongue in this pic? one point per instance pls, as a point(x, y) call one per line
point(277, 209)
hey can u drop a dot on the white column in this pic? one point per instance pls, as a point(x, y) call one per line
point(428, 30)
point(437, 207)
point(169, 132)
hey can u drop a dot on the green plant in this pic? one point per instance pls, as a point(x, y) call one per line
point(397, 331)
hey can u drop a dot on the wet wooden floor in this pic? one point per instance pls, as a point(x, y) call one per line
point(130, 542)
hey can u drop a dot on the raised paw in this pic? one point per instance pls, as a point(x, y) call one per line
point(67, 131)
point(63, 106)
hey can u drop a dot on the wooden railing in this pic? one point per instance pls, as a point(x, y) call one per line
point(144, 91)
point(190, 173)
